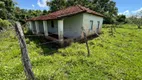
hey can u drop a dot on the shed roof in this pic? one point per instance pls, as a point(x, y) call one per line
point(66, 12)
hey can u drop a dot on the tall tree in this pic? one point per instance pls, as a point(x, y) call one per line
point(56, 5)
point(22, 14)
point(76, 2)
point(121, 18)
point(44, 12)
point(2, 10)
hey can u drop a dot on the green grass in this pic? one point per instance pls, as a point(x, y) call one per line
point(117, 57)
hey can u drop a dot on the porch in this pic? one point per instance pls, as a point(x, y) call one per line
point(42, 28)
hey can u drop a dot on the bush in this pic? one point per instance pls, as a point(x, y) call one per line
point(4, 23)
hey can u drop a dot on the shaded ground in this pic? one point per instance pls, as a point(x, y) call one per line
point(52, 46)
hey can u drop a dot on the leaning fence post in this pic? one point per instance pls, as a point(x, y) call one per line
point(24, 52)
point(86, 41)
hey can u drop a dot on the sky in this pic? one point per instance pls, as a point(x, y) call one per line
point(126, 7)
point(33, 4)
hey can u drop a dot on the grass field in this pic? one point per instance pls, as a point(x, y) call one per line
point(117, 57)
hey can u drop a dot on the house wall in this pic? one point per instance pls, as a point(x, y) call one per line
point(72, 26)
point(86, 23)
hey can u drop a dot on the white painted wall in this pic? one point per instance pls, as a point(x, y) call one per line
point(72, 26)
point(45, 28)
point(86, 23)
point(60, 29)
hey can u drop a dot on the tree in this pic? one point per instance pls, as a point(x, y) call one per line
point(106, 7)
point(22, 14)
point(33, 13)
point(136, 19)
point(110, 12)
point(6, 9)
point(121, 18)
point(44, 12)
point(76, 2)
point(56, 5)
point(2, 10)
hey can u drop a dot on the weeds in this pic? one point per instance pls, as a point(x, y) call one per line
point(112, 57)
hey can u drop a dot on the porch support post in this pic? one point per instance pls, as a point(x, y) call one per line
point(60, 30)
point(34, 27)
point(30, 25)
point(37, 27)
point(45, 28)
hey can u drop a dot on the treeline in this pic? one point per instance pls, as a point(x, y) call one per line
point(22, 14)
point(106, 7)
point(10, 12)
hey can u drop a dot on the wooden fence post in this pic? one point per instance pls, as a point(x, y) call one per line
point(86, 41)
point(24, 52)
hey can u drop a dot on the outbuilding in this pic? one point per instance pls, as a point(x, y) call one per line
point(67, 23)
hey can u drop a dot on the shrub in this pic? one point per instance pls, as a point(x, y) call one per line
point(4, 23)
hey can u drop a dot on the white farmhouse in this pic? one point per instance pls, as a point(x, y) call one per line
point(67, 23)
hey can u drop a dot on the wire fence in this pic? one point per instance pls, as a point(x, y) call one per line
point(27, 35)
point(42, 36)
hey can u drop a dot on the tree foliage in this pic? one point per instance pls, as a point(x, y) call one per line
point(108, 8)
point(6, 9)
point(22, 14)
point(121, 19)
point(9, 11)
point(136, 19)
point(56, 5)
point(45, 12)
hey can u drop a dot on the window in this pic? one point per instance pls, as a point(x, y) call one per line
point(52, 24)
point(91, 24)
